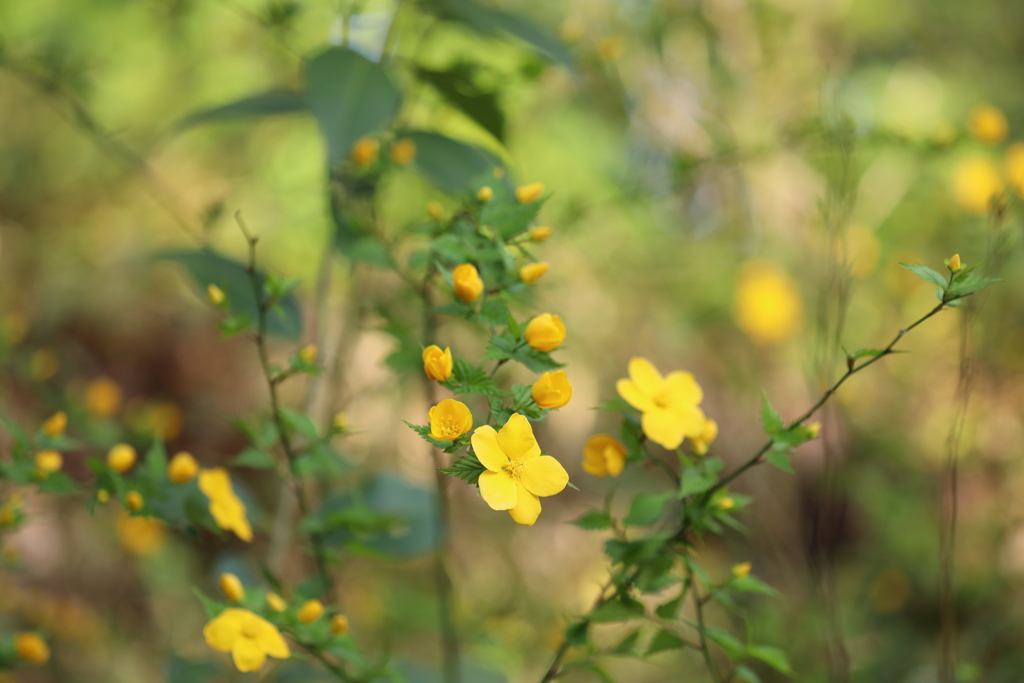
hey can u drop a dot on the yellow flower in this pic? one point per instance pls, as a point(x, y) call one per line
point(32, 648)
point(276, 602)
point(135, 501)
point(311, 611)
point(121, 457)
point(7, 513)
point(976, 182)
point(540, 233)
point(182, 468)
point(339, 625)
point(603, 454)
point(741, 570)
point(140, 536)
point(437, 363)
point(102, 496)
point(49, 461)
point(227, 510)
point(56, 424)
point(403, 151)
point(43, 365)
point(340, 422)
point(726, 503)
point(231, 587)
point(248, 637)
point(529, 193)
point(215, 294)
point(449, 420)
point(485, 194)
point(611, 48)
point(552, 390)
point(103, 397)
point(669, 404)
point(434, 209)
point(545, 332)
point(365, 151)
point(703, 441)
point(768, 307)
point(517, 474)
point(532, 272)
point(1015, 166)
point(988, 124)
point(954, 263)
point(308, 354)
point(814, 428)
point(467, 282)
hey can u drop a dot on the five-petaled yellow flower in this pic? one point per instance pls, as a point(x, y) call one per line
point(702, 442)
point(467, 283)
point(532, 272)
point(545, 332)
point(449, 420)
point(248, 637)
point(227, 510)
point(603, 454)
point(437, 363)
point(517, 474)
point(552, 390)
point(670, 405)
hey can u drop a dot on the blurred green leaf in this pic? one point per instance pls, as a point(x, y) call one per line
point(263, 104)
point(627, 646)
point(772, 656)
point(647, 508)
point(457, 85)
point(595, 519)
point(181, 670)
point(727, 641)
point(746, 674)
point(669, 610)
point(665, 640)
point(619, 609)
point(780, 458)
point(700, 477)
point(771, 421)
point(449, 164)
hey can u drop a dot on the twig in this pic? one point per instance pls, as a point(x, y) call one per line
point(699, 606)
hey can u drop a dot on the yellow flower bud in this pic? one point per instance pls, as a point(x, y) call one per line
point(102, 496)
point(135, 501)
point(552, 390)
point(485, 194)
point(988, 124)
point(365, 151)
point(540, 233)
point(434, 209)
point(276, 603)
point(814, 428)
point(954, 263)
point(49, 461)
point(339, 625)
point(182, 468)
point(603, 455)
point(103, 397)
point(532, 272)
point(545, 332)
point(6, 516)
point(449, 420)
point(437, 363)
point(529, 193)
point(31, 648)
point(121, 457)
point(215, 294)
point(467, 282)
point(56, 424)
point(308, 354)
point(340, 422)
point(611, 48)
point(741, 570)
point(403, 151)
point(726, 503)
point(231, 587)
point(311, 611)
point(700, 444)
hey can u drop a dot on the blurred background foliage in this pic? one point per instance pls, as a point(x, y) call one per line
point(730, 179)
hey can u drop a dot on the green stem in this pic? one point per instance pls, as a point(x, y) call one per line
point(699, 606)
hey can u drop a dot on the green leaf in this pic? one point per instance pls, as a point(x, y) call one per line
point(972, 283)
point(424, 432)
point(615, 405)
point(727, 641)
point(507, 217)
point(779, 458)
point(299, 423)
point(771, 421)
point(211, 607)
point(576, 633)
point(154, 468)
point(467, 468)
point(449, 164)
point(700, 477)
point(772, 656)
point(750, 584)
point(58, 484)
point(620, 609)
point(472, 379)
point(494, 312)
point(665, 640)
point(647, 508)
point(207, 267)
point(268, 103)
point(627, 646)
point(669, 610)
point(537, 361)
point(746, 674)
point(458, 85)
point(595, 519)
point(927, 273)
point(350, 96)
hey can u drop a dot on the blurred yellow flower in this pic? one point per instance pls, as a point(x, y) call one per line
point(988, 124)
point(276, 602)
point(340, 422)
point(56, 424)
point(227, 510)
point(861, 251)
point(603, 454)
point(365, 151)
point(611, 48)
point(741, 570)
point(166, 420)
point(532, 272)
point(403, 151)
point(449, 420)
point(540, 233)
point(726, 503)
point(517, 474)
point(467, 282)
point(310, 611)
point(546, 332)
point(308, 353)
point(248, 637)
point(103, 397)
point(43, 365)
point(976, 182)
point(31, 648)
point(485, 194)
point(434, 209)
point(702, 442)
point(767, 306)
point(102, 496)
point(814, 428)
point(182, 468)
point(215, 294)
point(1015, 166)
point(339, 624)
point(437, 363)
point(135, 501)
point(529, 193)
point(669, 405)
point(121, 457)
point(552, 390)
point(49, 461)
point(140, 536)
point(231, 586)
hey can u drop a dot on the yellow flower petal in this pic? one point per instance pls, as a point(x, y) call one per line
point(615, 458)
point(631, 393)
point(498, 490)
point(527, 508)
point(269, 639)
point(247, 655)
point(645, 376)
point(516, 439)
point(225, 629)
point(663, 427)
point(682, 388)
point(215, 482)
point(692, 420)
point(544, 476)
point(488, 452)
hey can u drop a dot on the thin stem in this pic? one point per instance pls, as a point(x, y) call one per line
point(699, 606)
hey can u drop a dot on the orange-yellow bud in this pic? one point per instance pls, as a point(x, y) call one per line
point(102, 496)
point(403, 151)
point(603, 455)
point(434, 209)
point(726, 503)
point(449, 420)
point(103, 397)
point(532, 272)
point(365, 151)
point(611, 48)
point(121, 457)
point(276, 602)
point(215, 294)
point(182, 468)
point(552, 390)
point(954, 263)
point(135, 501)
point(231, 587)
point(529, 193)
point(540, 233)
point(545, 332)
point(31, 648)
point(467, 282)
point(814, 428)
point(339, 625)
point(340, 422)
point(485, 194)
point(437, 363)
point(49, 461)
point(308, 354)
point(988, 124)
point(56, 424)
point(741, 570)
point(311, 611)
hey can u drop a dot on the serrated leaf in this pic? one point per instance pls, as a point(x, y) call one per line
point(972, 283)
point(772, 656)
point(669, 610)
point(467, 468)
point(494, 312)
point(424, 432)
point(927, 274)
point(619, 609)
point(665, 640)
point(627, 645)
point(595, 519)
point(780, 459)
point(700, 477)
point(537, 361)
point(727, 641)
point(771, 421)
point(472, 379)
point(647, 508)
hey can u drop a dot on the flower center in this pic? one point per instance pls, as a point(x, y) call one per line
point(661, 400)
point(251, 629)
point(448, 428)
point(515, 469)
